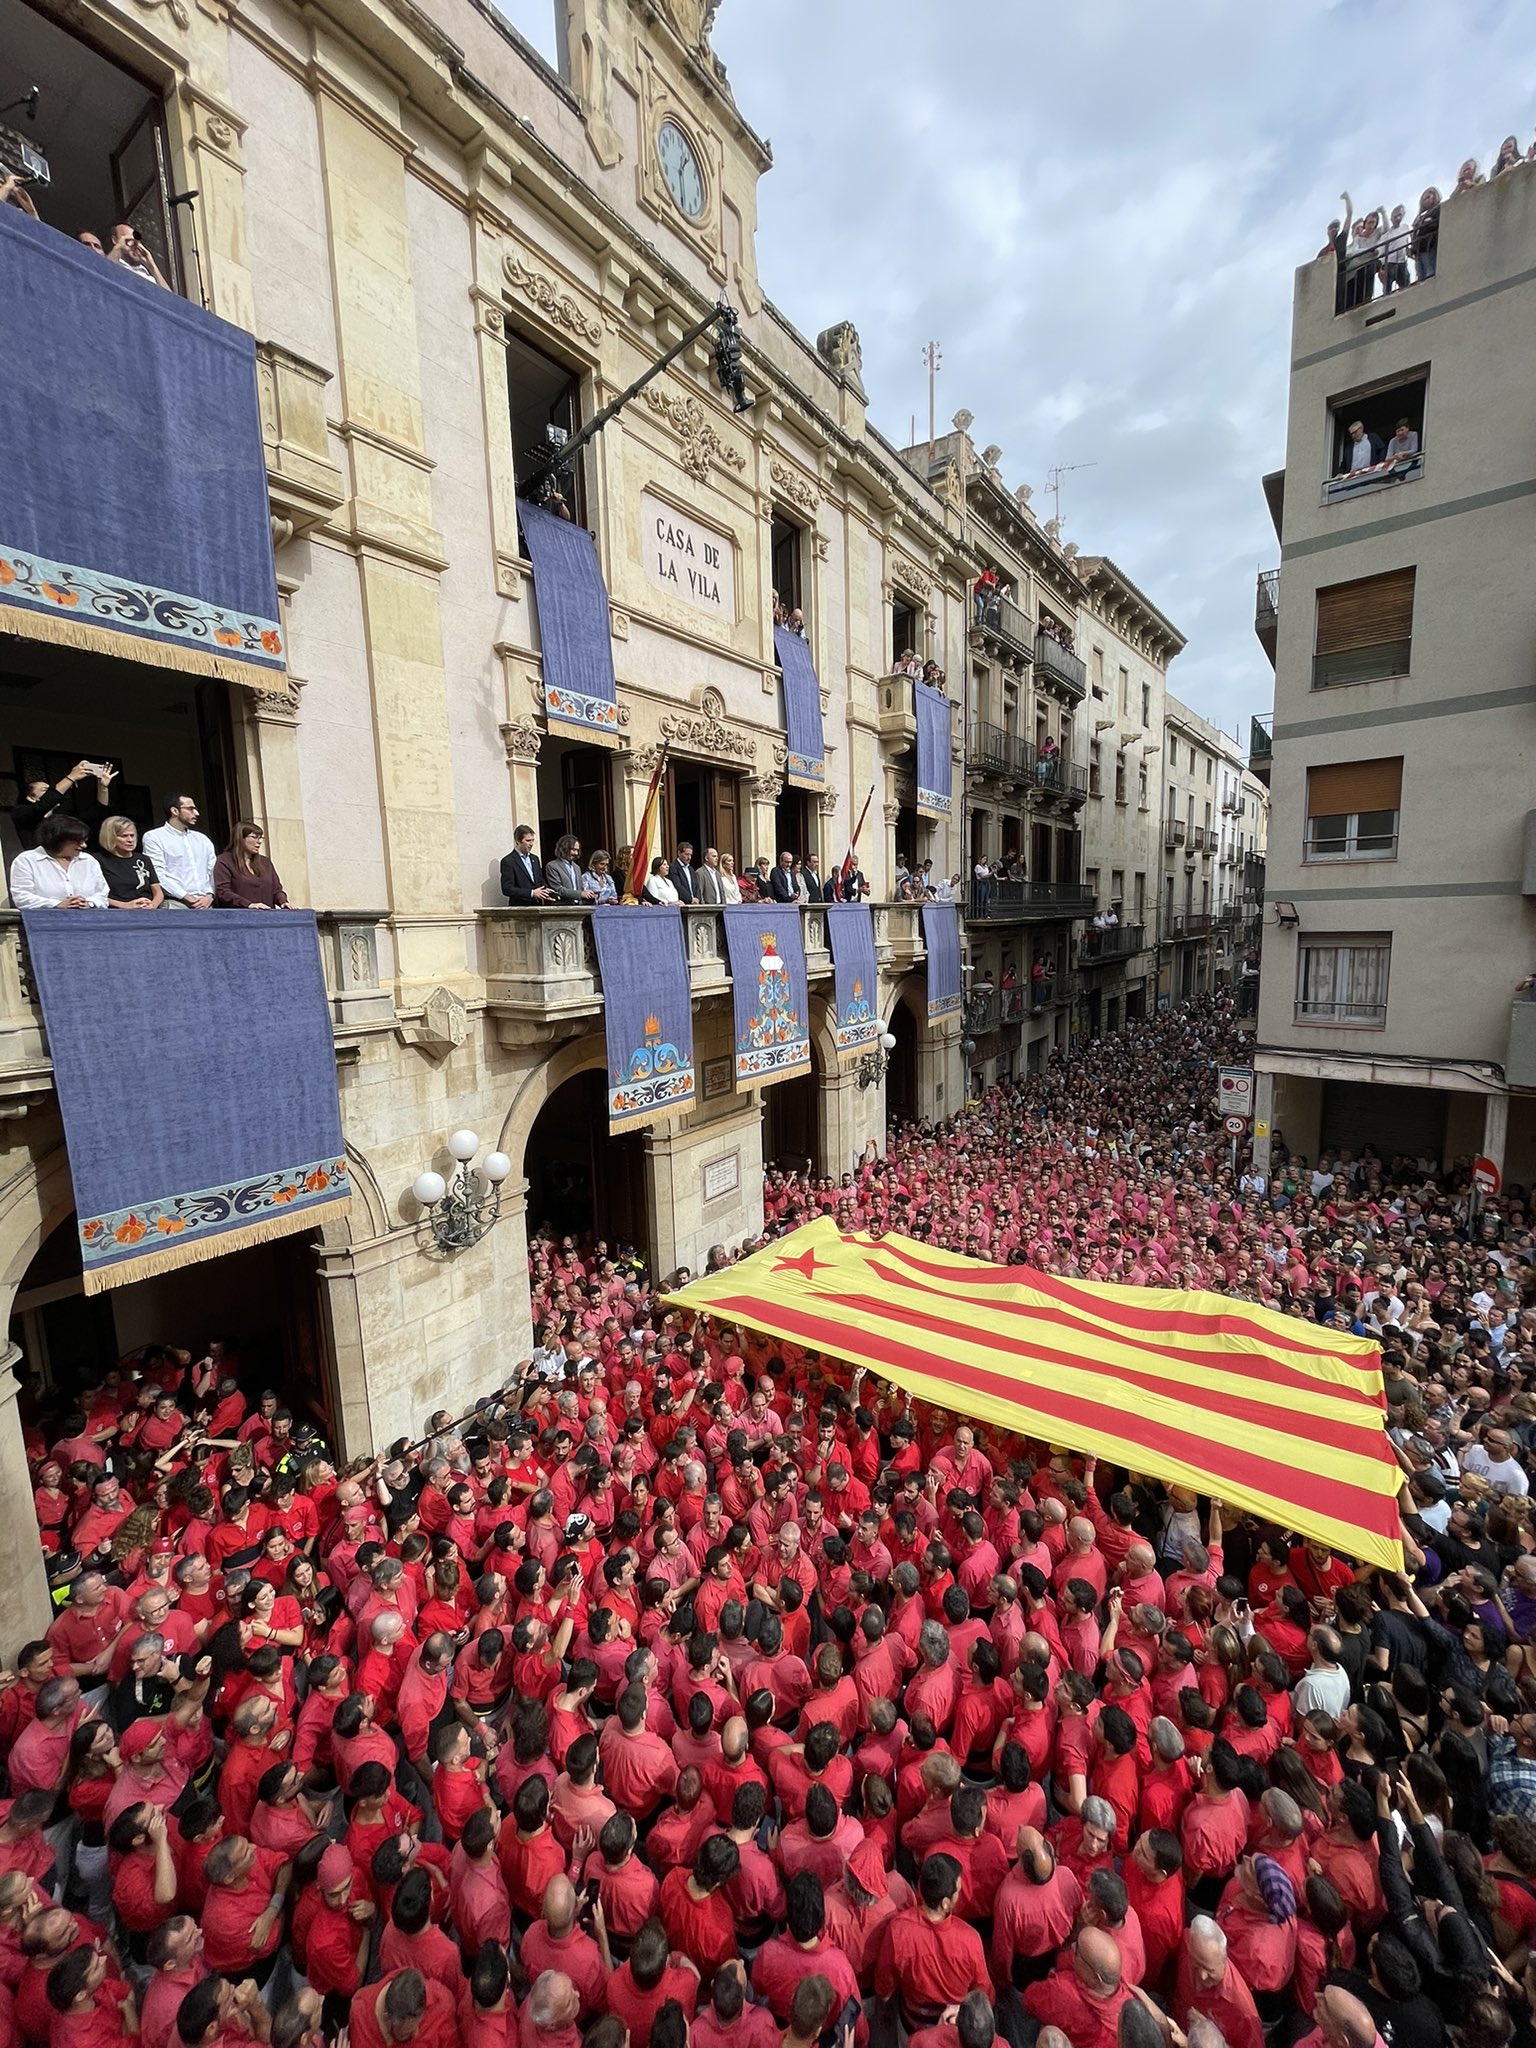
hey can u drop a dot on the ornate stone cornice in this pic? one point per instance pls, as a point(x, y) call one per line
point(522, 740)
point(907, 573)
point(278, 707)
point(702, 446)
point(701, 734)
point(798, 489)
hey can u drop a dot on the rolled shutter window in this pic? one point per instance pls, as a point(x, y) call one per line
point(1338, 788)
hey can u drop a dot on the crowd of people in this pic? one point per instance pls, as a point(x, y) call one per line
point(696, 1690)
point(173, 867)
point(1383, 250)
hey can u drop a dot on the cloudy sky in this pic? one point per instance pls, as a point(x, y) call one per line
point(1096, 211)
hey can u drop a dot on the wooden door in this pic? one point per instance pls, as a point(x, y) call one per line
point(725, 814)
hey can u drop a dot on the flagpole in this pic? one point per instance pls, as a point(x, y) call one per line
point(850, 860)
point(645, 831)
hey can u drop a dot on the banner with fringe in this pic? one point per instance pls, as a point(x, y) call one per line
point(806, 765)
point(196, 1073)
point(575, 626)
point(770, 992)
point(134, 517)
point(935, 765)
point(647, 1012)
point(941, 942)
point(851, 929)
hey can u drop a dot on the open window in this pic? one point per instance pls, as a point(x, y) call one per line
point(904, 629)
point(788, 545)
point(1364, 630)
point(92, 140)
point(1376, 436)
point(544, 404)
point(1352, 810)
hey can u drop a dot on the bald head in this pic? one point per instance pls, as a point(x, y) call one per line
point(1345, 2022)
point(733, 1739)
point(1097, 1962)
point(559, 1905)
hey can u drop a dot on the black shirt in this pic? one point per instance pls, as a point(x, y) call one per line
point(129, 876)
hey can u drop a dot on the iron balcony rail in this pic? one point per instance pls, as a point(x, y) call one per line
point(1014, 900)
point(1118, 942)
point(1000, 617)
point(1052, 659)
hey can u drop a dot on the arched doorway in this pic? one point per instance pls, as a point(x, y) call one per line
point(580, 1178)
point(901, 1075)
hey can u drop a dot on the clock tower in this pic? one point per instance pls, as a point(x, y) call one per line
point(660, 111)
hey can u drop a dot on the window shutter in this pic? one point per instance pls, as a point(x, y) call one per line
point(1343, 786)
point(1370, 612)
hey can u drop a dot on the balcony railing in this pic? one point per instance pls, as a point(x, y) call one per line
point(1118, 942)
point(996, 751)
point(1382, 476)
point(1197, 838)
point(1057, 662)
point(1014, 901)
point(1191, 924)
point(1173, 832)
point(1266, 611)
point(1396, 264)
point(1000, 619)
point(1052, 775)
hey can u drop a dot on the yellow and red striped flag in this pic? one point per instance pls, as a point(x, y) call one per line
point(647, 833)
point(1274, 1415)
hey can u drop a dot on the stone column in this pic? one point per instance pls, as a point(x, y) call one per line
point(25, 1609)
point(1495, 1127)
point(1263, 1119)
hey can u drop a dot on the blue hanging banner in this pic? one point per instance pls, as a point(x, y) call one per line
point(941, 940)
point(934, 765)
point(200, 1155)
point(851, 929)
point(806, 767)
point(647, 1012)
point(133, 493)
point(575, 630)
point(770, 992)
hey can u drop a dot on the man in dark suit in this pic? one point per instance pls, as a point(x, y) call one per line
point(816, 889)
point(680, 873)
point(522, 879)
point(781, 883)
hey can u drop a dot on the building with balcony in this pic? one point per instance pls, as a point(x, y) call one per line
point(1213, 828)
point(1401, 911)
point(449, 256)
point(1127, 646)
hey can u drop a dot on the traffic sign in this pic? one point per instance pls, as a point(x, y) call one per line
point(1234, 1092)
point(1261, 1127)
point(1486, 1176)
point(1234, 1126)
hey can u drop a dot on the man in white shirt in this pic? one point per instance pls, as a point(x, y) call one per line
point(1493, 1460)
point(183, 857)
point(58, 874)
point(1324, 1686)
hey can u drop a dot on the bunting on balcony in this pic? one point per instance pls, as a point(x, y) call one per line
point(179, 1160)
point(933, 757)
point(806, 767)
point(851, 929)
point(941, 942)
point(133, 492)
point(766, 949)
point(575, 631)
point(1282, 1419)
point(647, 1012)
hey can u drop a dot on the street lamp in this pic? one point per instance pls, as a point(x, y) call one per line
point(872, 1066)
point(460, 1210)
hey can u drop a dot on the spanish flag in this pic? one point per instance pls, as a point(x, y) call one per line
point(1274, 1415)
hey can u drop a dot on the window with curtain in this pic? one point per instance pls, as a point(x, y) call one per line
point(1343, 981)
point(1352, 810)
point(1364, 630)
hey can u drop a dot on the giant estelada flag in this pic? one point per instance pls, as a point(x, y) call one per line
point(1279, 1417)
point(770, 992)
point(195, 1067)
point(647, 1011)
point(134, 517)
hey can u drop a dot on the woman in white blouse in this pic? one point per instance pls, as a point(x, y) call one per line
point(657, 888)
point(58, 874)
point(730, 888)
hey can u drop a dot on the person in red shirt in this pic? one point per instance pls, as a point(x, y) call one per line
point(481, 1909)
point(404, 2007)
point(458, 1782)
point(1115, 1774)
point(336, 1945)
point(1214, 1830)
point(528, 1849)
point(143, 1871)
point(243, 1913)
point(639, 1769)
point(640, 1987)
point(1154, 1886)
point(1319, 1574)
point(89, 2007)
point(928, 1958)
point(556, 1941)
point(1208, 1984)
point(695, 1909)
point(1083, 1996)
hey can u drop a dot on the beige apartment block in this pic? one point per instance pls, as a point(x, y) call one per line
point(443, 247)
point(1401, 887)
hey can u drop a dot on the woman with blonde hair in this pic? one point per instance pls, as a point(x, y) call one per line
point(243, 877)
point(132, 883)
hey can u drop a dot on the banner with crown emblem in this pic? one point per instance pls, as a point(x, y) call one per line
point(647, 1012)
point(851, 928)
point(772, 999)
point(941, 940)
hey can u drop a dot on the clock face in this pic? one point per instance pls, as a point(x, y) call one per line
point(680, 167)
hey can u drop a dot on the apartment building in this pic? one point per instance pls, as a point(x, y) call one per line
point(1401, 758)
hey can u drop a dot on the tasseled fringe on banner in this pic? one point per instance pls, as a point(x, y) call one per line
point(81, 634)
point(166, 1258)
